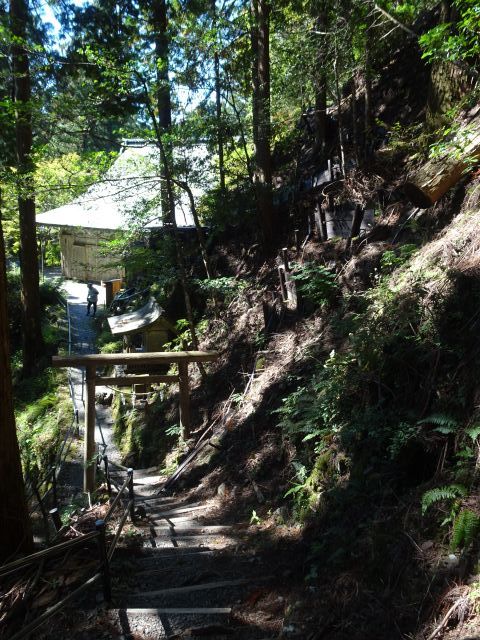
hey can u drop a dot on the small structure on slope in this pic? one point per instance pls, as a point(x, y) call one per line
point(145, 329)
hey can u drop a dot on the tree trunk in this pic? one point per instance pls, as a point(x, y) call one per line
point(243, 137)
point(431, 181)
point(354, 116)
point(218, 103)
point(261, 117)
point(169, 182)
point(321, 85)
point(368, 98)
point(33, 346)
point(15, 531)
point(339, 111)
point(159, 23)
point(200, 234)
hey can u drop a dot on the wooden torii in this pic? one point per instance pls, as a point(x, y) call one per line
point(94, 360)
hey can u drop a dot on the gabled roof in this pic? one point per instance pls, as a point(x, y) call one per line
point(135, 321)
point(130, 186)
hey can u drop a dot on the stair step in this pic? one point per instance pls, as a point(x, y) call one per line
point(205, 541)
point(156, 498)
point(133, 611)
point(172, 512)
point(185, 530)
point(187, 589)
point(174, 520)
point(167, 553)
point(162, 502)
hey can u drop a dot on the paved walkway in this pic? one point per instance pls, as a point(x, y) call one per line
point(83, 333)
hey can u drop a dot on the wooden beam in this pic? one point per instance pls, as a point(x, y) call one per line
point(193, 587)
point(185, 422)
point(89, 444)
point(432, 180)
point(176, 611)
point(155, 357)
point(126, 381)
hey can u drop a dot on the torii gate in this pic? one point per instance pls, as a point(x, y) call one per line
point(94, 360)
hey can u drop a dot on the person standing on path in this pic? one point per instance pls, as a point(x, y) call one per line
point(92, 297)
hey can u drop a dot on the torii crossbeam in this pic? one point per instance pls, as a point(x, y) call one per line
point(94, 360)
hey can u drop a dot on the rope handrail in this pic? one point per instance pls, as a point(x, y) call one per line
point(46, 553)
point(35, 624)
point(50, 476)
point(113, 545)
point(105, 557)
point(118, 497)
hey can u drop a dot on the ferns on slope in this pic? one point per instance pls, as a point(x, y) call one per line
point(465, 528)
point(448, 492)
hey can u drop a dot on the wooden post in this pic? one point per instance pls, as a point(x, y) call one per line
point(54, 487)
point(297, 239)
point(330, 170)
point(283, 288)
point(56, 518)
point(356, 224)
point(107, 475)
point(131, 495)
point(285, 259)
point(89, 445)
point(104, 564)
point(320, 221)
point(184, 399)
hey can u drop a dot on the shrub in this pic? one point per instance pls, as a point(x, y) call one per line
point(315, 283)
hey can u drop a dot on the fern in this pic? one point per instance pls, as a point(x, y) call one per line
point(444, 423)
point(448, 492)
point(473, 431)
point(465, 529)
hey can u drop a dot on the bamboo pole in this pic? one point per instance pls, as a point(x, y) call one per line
point(89, 444)
point(185, 422)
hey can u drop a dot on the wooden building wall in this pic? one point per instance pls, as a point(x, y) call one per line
point(84, 258)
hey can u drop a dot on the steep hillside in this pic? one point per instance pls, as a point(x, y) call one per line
point(345, 427)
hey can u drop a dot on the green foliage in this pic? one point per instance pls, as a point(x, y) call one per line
point(391, 259)
point(454, 41)
point(315, 283)
point(404, 433)
point(255, 518)
point(408, 139)
point(466, 527)
point(444, 423)
point(440, 494)
point(473, 432)
point(114, 346)
point(224, 289)
point(174, 431)
point(43, 414)
point(453, 140)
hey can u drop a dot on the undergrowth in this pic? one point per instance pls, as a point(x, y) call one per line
point(44, 413)
point(402, 348)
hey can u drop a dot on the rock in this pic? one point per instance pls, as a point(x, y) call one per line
point(222, 490)
point(281, 514)
point(290, 631)
point(451, 561)
point(425, 546)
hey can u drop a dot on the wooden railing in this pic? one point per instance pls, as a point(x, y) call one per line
point(105, 557)
point(44, 488)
